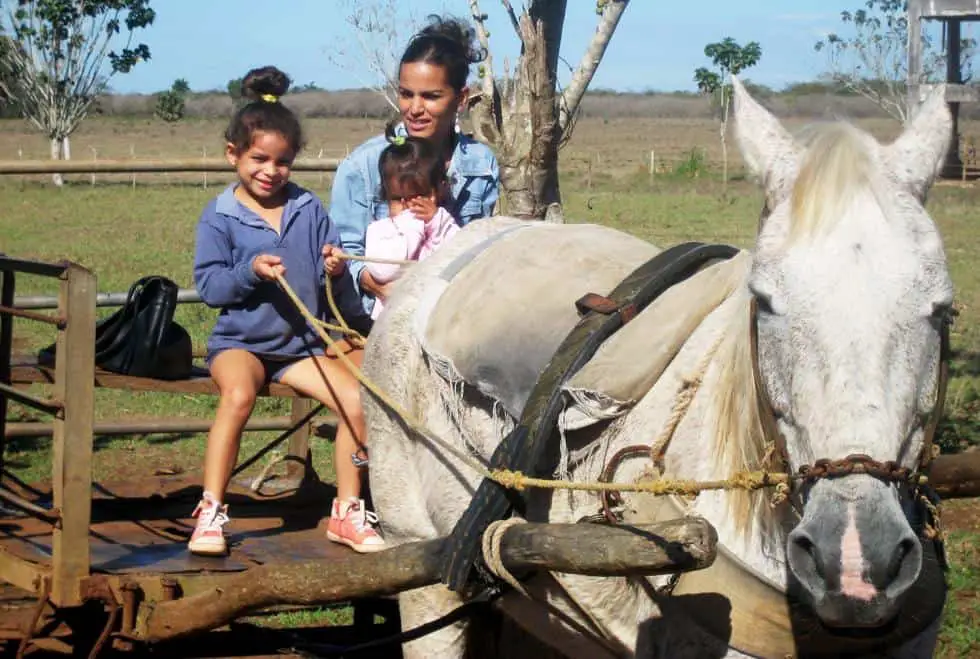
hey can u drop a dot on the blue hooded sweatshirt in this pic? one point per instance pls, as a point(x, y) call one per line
point(255, 314)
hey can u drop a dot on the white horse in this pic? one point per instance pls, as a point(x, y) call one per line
point(850, 289)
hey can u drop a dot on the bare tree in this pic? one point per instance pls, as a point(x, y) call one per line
point(59, 51)
point(872, 60)
point(522, 114)
point(369, 49)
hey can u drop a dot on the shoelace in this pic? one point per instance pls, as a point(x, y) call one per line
point(363, 520)
point(211, 517)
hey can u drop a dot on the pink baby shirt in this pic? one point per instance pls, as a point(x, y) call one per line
point(404, 237)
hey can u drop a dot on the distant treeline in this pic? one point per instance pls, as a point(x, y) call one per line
point(805, 99)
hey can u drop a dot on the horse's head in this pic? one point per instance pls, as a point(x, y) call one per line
point(851, 288)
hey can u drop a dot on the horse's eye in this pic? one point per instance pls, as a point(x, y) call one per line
point(763, 302)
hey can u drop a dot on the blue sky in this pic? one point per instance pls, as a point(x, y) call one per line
point(657, 46)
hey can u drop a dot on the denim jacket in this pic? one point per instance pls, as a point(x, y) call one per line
point(355, 200)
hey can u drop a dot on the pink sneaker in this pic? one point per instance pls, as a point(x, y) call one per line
point(208, 539)
point(352, 525)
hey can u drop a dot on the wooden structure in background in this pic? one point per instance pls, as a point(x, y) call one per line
point(952, 13)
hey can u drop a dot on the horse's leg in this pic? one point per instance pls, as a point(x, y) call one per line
point(424, 605)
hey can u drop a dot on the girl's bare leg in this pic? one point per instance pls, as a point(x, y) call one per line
point(328, 380)
point(239, 376)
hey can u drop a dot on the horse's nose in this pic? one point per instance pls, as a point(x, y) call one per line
point(806, 562)
point(854, 562)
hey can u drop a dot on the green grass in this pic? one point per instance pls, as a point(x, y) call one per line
point(123, 233)
point(323, 616)
point(961, 633)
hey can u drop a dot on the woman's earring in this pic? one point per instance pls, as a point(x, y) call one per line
point(456, 125)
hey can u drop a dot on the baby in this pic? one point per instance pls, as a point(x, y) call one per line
point(413, 180)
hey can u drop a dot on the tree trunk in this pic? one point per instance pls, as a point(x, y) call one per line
point(60, 150)
point(677, 545)
point(519, 120)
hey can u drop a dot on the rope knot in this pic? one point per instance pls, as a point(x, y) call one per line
point(780, 495)
point(510, 479)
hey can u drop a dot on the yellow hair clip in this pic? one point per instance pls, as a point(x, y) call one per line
point(398, 140)
point(270, 98)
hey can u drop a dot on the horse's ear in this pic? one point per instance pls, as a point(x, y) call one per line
point(769, 151)
point(917, 156)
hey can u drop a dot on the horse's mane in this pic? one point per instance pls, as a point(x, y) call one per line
point(733, 413)
point(834, 170)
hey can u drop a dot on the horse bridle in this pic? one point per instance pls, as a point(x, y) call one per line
point(888, 471)
point(824, 468)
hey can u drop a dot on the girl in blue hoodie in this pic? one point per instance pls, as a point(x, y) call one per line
point(259, 228)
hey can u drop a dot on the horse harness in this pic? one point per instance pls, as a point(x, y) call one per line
point(824, 468)
point(601, 316)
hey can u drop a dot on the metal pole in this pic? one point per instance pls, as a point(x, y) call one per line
point(184, 296)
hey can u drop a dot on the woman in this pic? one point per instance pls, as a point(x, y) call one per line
point(432, 90)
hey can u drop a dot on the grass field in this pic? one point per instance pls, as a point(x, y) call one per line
point(123, 231)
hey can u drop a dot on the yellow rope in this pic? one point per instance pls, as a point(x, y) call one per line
point(373, 388)
point(517, 480)
point(375, 259)
point(746, 480)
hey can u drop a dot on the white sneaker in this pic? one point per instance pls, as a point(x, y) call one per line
point(208, 538)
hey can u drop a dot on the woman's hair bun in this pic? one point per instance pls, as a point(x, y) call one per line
point(457, 32)
point(264, 81)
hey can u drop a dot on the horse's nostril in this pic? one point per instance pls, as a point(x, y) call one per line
point(805, 554)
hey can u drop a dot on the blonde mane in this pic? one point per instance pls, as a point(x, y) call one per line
point(834, 171)
point(734, 410)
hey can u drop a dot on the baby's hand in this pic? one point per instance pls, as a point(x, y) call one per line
point(268, 267)
point(332, 261)
point(423, 208)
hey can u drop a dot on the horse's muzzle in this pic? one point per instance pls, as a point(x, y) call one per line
point(854, 554)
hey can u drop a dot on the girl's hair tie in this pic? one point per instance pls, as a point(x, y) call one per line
point(397, 140)
point(270, 98)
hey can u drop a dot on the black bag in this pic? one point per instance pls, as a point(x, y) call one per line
point(141, 339)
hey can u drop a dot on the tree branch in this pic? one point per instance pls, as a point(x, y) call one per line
point(571, 98)
point(514, 23)
point(486, 127)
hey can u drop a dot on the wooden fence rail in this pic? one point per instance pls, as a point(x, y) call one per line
point(131, 166)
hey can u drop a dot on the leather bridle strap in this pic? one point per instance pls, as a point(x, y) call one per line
point(851, 464)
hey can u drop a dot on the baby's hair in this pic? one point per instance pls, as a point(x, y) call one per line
point(411, 162)
point(262, 89)
point(449, 43)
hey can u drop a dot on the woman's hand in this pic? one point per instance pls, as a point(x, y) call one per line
point(268, 267)
point(423, 208)
point(369, 284)
point(332, 261)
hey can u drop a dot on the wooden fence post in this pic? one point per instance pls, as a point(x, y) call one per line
point(71, 475)
point(299, 441)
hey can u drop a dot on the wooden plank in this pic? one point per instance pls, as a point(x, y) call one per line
point(915, 50)
point(954, 93)
point(299, 441)
point(128, 166)
point(947, 8)
point(72, 459)
point(27, 371)
point(22, 574)
point(956, 476)
point(33, 267)
point(6, 349)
